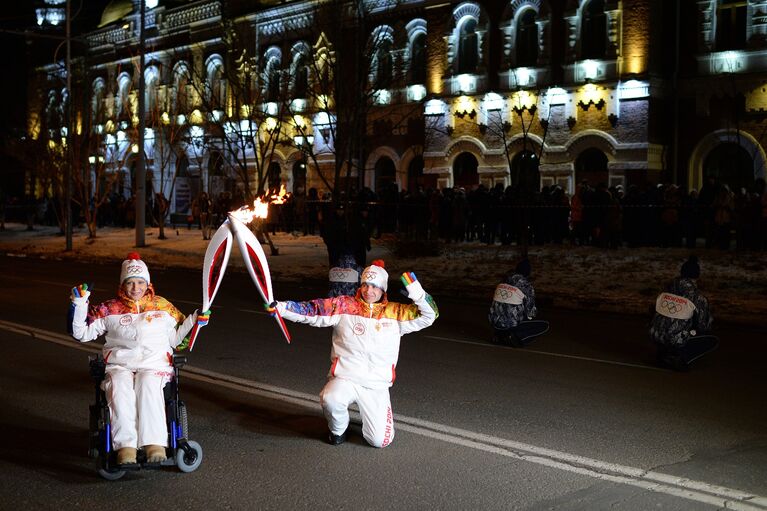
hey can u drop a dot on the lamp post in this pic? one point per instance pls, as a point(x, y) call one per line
point(141, 162)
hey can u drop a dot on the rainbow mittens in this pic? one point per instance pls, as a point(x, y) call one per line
point(80, 292)
point(408, 278)
point(271, 308)
point(203, 318)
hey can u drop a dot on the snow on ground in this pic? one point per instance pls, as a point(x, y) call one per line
point(622, 280)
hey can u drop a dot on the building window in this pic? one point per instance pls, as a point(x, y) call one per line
point(731, 25)
point(272, 80)
point(384, 65)
point(594, 30)
point(215, 85)
point(97, 105)
point(300, 77)
point(181, 84)
point(527, 39)
point(418, 59)
point(467, 47)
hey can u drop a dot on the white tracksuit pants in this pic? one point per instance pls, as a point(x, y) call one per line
point(137, 406)
point(374, 405)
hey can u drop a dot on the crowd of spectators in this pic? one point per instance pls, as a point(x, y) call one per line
point(661, 215)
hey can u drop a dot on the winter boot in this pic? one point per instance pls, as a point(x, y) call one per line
point(126, 456)
point(155, 453)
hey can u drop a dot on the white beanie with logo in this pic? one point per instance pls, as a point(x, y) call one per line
point(375, 275)
point(133, 266)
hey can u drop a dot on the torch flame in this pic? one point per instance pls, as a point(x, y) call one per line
point(260, 207)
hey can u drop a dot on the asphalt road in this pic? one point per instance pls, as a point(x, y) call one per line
point(580, 420)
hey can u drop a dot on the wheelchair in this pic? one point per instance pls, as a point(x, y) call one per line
point(184, 453)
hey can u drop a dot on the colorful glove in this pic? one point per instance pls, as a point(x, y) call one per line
point(271, 309)
point(408, 278)
point(413, 287)
point(203, 318)
point(80, 294)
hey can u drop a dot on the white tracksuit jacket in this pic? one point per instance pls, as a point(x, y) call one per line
point(365, 337)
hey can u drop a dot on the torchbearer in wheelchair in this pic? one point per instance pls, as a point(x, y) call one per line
point(513, 309)
point(682, 320)
point(141, 332)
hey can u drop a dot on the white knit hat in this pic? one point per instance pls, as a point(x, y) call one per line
point(375, 275)
point(133, 266)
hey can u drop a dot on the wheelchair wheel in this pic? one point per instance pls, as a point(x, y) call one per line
point(189, 461)
point(112, 474)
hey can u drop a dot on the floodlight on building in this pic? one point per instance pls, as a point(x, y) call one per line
point(590, 69)
point(434, 107)
point(134, 148)
point(556, 96)
point(633, 89)
point(181, 119)
point(523, 76)
point(416, 92)
point(196, 117)
point(270, 124)
point(382, 97)
point(492, 101)
point(466, 83)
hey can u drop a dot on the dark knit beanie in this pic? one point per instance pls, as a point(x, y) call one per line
point(523, 267)
point(690, 269)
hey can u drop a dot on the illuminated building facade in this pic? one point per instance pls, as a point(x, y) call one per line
point(452, 94)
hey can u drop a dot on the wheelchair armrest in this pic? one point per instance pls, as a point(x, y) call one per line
point(97, 368)
point(179, 361)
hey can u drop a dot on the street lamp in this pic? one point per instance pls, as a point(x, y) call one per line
point(141, 163)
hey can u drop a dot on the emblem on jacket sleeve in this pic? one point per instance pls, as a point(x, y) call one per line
point(126, 320)
point(358, 329)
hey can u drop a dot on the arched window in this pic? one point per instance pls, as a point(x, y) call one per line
point(273, 80)
point(215, 83)
point(468, 46)
point(418, 59)
point(123, 97)
point(731, 20)
point(385, 173)
point(527, 39)
point(465, 171)
point(525, 175)
point(381, 44)
point(729, 164)
point(181, 86)
point(300, 75)
point(97, 101)
point(51, 110)
point(151, 80)
point(594, 30)
point(591, 166)
point(384, 65)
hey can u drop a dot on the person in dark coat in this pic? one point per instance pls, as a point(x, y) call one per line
point(513, 309)
point(682, 321)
